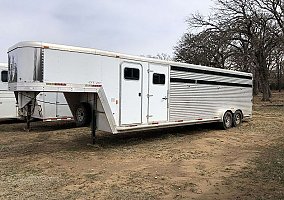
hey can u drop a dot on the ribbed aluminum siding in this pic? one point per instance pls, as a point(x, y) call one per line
point(201, 101)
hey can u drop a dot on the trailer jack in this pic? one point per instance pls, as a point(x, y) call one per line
point(29, 116)
point(93, 118)
point(93, 126)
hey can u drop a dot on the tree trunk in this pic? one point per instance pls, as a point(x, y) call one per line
point(264, 78)
point(255, 87)
point(262, 68)
point(256, 83)
point(279, 85)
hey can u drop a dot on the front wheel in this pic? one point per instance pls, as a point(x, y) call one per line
point(83, 114)
point(227, 120)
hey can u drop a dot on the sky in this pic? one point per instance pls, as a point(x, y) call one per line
point(147, 27)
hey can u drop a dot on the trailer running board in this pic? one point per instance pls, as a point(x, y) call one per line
point(162, 125)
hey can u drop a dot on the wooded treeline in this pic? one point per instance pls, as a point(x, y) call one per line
point(244, 35)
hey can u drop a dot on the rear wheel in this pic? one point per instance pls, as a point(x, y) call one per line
point(83, 114)
point(227, 120)
point(237, 119)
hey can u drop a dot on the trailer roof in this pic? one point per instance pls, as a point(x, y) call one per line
point(117, 55)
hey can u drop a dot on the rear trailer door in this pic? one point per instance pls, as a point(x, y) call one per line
point(158, 93)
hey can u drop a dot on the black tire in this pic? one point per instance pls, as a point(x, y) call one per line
point(83, 114)
point(227, 120)
point(238, 118)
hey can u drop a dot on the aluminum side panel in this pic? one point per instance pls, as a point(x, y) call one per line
point(189, 101)
point(206, 77)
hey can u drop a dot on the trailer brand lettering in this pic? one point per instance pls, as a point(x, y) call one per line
point(57, 84)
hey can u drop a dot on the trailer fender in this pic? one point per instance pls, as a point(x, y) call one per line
point(222, 112)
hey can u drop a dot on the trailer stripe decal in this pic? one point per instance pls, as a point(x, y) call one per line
point(201, 71)
point(180, 80)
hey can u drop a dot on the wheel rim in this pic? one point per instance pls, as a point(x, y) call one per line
point(228, 120)
point(237, 119)
point(80, 114)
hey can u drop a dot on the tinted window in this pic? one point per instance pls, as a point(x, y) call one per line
point(131, 73)
point(4, 76)
point(159, 78)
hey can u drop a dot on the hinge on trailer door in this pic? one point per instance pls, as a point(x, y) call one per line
point(149, 95)
point(149, 71)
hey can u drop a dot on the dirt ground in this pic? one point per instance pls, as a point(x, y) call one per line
point(57, 161)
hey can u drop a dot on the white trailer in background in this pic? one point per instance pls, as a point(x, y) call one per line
point(122, 93)
point(49, 106)
point(8, 108)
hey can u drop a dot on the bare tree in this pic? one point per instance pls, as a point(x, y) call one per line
point(276, 68)
point(275, 8)
point(204, 48)
point(249, 34)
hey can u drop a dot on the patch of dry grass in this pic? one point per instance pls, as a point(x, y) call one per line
point(55, 161)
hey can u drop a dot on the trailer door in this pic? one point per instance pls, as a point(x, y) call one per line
point(158, 93)
point(131, 93)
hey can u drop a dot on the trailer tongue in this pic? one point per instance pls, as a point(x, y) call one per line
point(121, 93)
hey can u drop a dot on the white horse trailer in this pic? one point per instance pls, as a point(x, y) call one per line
point(48, 106)
point(121, 93)
point(8, 108)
